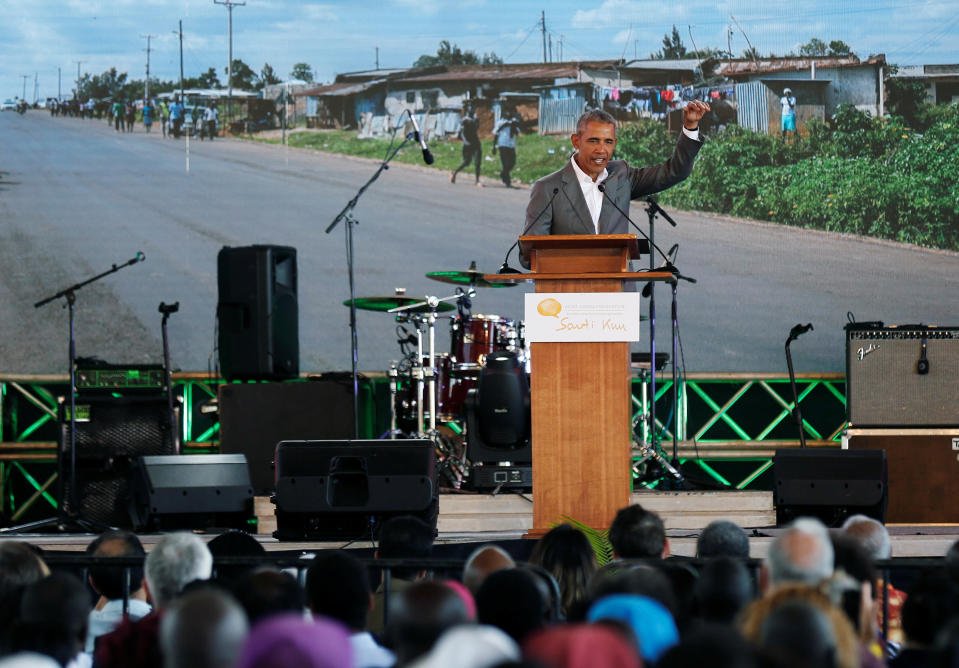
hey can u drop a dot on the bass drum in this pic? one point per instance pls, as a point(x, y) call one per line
point(475, 337)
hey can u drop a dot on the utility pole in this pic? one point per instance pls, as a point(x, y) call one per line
point(182, 101)
point(146, 92)
point(58, 83)
point(377, 57)
point(561, 38)
point(76, 93)
point(551, 47)
point(229, 4)
point(36, 88)
point(24, 95)
point(543, 28)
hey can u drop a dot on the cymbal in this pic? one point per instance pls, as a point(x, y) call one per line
point(470, 276)
point(386, 303)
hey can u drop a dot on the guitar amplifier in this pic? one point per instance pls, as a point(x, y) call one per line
point(902, 376)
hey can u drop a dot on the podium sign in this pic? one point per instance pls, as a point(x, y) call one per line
point(563, 317)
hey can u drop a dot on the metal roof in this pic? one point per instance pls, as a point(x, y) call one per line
point(340, 89)
point(741, 67)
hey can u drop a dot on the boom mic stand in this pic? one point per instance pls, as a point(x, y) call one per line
point(346, 214)
point(794, 334)
point(67, 517)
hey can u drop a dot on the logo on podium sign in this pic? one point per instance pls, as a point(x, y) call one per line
point(566, 317)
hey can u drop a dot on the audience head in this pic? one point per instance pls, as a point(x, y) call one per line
point(20, 566)
point(419, 615)
point(484, 560)
point(465, 596)
point(650, 621)
point(511, 600)
point(290, 641)
point(637, 533)
point(53, 617)
point(713, 645)
point(641, 580)
point(582, 646)
point(799, 634)
point(952, 561)
point(723, 589)
point(471, 646)
point(722, 538)
point(234, 543)
point(405, 537)
point(931, 601)
point(203, 628)
point(872, 534)
point(266, 592)
point(176, 560)
point(338, 587)
point(802, 553)
point(565, 552)
point(107, 581)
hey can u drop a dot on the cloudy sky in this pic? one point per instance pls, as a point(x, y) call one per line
point(39, 36)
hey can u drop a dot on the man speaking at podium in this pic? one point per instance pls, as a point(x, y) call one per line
point(570, 201)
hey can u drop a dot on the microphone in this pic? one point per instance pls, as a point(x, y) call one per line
point(602, 188)
point(799, 329)
point(654, 206)
point(418, 138)
point(668, 262)
point(505, 268)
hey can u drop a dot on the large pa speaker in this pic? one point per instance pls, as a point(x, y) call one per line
point(111, 434)
point(830, 483)
point(190, 492)
point(254, 417)
point(345, 489)
point(902, 376)
point(257, 314)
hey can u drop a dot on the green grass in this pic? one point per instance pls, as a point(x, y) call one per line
point(536, 156)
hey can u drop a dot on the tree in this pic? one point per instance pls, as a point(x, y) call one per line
point(817, 47)
point(673, 48)
point(751, 53)
point(302, 71)
point(268, 76)
point(450, 54)
point(244, 77)
point(108, 84)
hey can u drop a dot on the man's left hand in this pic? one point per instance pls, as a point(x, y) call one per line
point(694, 111)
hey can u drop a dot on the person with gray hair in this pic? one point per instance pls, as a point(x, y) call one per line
point(174, 562)
point(483, 561)
point(206, 628)
point(871, 533)
point(572, 199)
point(722, 538)
point(803, 553)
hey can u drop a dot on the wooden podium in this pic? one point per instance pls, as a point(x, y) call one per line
point(580, 392)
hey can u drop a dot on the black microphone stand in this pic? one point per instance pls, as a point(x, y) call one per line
point(68, 519)
point(346, 214)
point(166, 310)
point(797, 412)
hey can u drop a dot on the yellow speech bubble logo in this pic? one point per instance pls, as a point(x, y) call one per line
point(549, 307)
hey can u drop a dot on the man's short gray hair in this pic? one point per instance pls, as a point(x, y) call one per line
point(802, 553)
point(594, 116)
point(722, 538)
point(203, 628)
point(871, 533)
point(175, 561)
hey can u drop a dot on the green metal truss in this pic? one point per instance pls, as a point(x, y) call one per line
point(728, 425)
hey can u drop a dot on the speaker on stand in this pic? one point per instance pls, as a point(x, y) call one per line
point(257, 313)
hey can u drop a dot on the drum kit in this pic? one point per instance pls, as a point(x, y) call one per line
point(428, 389)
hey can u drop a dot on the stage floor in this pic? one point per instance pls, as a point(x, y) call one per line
point(482, 518)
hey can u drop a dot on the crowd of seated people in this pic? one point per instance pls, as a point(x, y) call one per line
point(815, 600)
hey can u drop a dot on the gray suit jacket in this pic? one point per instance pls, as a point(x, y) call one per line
point(557, 206)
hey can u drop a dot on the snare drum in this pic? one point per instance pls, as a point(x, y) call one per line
point(473, 338)
point(450, 392)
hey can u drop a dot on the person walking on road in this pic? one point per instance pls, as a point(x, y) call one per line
point(472, 147)
point(118, 112)
point(505, 140)
point(210, 120)
point(176, 116)
point(147, 115)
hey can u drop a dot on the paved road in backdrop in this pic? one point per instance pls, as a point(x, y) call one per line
point(76, 198)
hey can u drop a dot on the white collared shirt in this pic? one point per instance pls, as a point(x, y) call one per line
point(591, 193)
